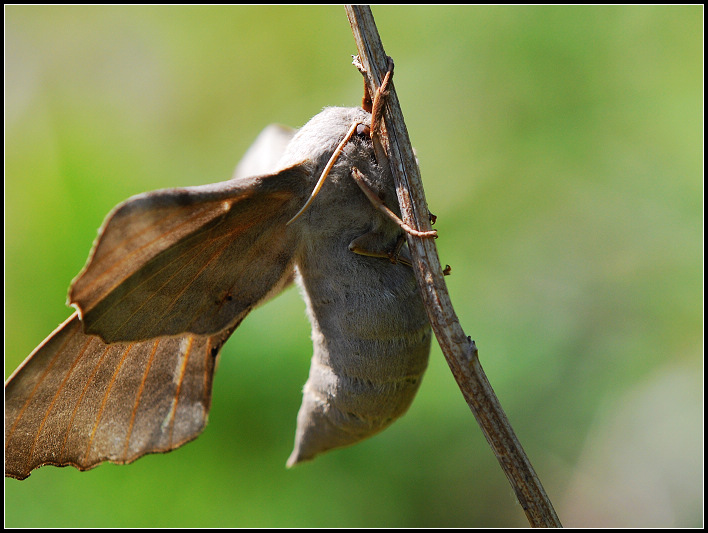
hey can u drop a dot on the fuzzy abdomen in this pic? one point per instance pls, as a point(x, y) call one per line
point(371, 342)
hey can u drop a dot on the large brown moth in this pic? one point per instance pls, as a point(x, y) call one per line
point(173, 273)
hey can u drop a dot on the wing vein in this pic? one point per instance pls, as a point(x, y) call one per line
point(157, 272)
point(129, 256)
point(137, 399)
point(207, 242)
point(78, 402)
point(35, 389)
point(175, 401)
point(174, 299)
point(105, 399)
point(56, 396)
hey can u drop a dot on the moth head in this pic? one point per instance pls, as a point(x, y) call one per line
point(317, 140)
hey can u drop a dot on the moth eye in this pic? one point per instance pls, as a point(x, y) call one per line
point(363, 130)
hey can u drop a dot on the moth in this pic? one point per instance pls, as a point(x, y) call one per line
point(173, 273)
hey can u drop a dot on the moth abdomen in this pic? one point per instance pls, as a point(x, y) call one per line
point(339, 409)
point(368, 361)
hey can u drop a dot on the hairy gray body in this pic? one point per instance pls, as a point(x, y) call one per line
point(370, 332)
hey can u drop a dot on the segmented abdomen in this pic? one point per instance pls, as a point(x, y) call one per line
point(371, 342)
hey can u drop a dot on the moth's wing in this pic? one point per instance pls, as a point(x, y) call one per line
point(192, 260)
point(264, 154)
point(78, 401)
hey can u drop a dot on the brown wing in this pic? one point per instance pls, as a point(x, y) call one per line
point(192, 260)
point(78, 401)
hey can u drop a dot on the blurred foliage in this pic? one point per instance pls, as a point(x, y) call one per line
point(561, 148)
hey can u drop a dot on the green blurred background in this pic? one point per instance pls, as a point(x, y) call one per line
point(561, 149)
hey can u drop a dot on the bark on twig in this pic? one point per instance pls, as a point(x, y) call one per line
point(459, 350)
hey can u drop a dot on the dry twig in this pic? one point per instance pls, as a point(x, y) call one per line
point(459, 350)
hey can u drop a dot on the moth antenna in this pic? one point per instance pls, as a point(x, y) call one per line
point(325, 172)
point(374, 199)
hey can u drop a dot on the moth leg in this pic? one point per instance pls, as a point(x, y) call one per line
point(375, 107)
point(366, 102)
point(379, 99)
point(378, 203)
point(369, 245)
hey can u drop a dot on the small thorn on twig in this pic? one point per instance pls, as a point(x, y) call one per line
point(356, 61)
point(433, 218)
point(473, 348)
